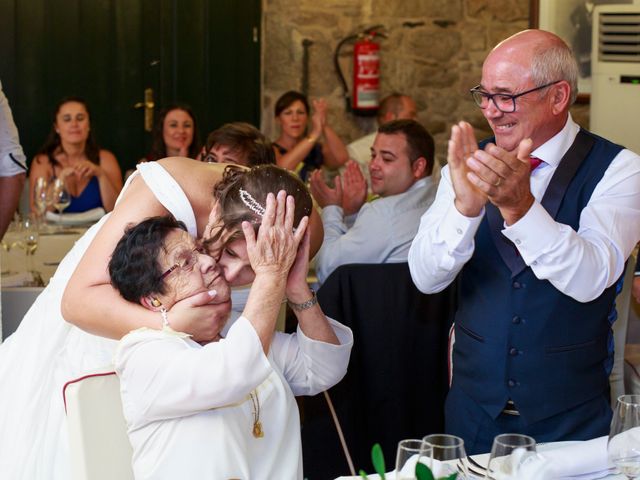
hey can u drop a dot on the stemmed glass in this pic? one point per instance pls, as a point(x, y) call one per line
point(30, 239)
point(11, 239)
point(410, 452)
point(448, 455)
point(42, 198)
point(624, 437)
point(61, 197)
point(509, 454)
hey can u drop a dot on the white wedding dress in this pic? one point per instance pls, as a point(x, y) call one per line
point(45, 352)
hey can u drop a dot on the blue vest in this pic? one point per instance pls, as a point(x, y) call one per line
point(518, 337)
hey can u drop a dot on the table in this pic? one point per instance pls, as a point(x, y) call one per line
point(552, 449)
point(17, 296)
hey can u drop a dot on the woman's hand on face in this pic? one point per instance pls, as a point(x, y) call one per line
point(297, 288)
point(196, 316)
point(274, 249)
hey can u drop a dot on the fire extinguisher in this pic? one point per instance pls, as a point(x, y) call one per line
point(364, 99)
point(366, 76)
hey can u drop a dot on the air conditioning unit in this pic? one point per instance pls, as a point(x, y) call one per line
point(615, 74)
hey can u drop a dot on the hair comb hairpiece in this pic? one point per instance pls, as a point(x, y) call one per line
point(251, 203)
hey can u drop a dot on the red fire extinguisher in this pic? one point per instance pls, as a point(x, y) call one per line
point(366, 71)
point(366, 75)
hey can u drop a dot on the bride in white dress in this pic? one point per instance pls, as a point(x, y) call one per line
point(46, 351)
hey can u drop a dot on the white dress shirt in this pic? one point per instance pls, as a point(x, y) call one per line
point(579, 264)
point(189, 410)
point(12, 159)
point(381, 232)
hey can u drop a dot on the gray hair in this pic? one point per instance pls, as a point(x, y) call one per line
point(554, 62)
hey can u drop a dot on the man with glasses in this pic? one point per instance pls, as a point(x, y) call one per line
point(538, 222)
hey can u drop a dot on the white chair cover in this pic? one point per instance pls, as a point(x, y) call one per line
point(98, 441)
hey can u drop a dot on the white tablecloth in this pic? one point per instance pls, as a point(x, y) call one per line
point(17, 298)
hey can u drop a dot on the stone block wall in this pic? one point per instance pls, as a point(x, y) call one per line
point(434, 52)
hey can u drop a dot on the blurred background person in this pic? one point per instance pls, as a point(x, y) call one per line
point(175, 133)
point(295, 149)
point(240, 143)
point(395, 106)
point(91, 175)
point(13, 166)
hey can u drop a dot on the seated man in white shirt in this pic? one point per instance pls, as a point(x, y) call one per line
point(395, 106)
point(380, 231)
point(225, 409)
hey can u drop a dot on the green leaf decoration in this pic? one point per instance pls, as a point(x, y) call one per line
point(423, 472)
point(453, 476)
point(377, 458)
point(363, 474)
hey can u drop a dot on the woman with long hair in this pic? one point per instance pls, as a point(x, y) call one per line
point(90, 174)
point(175, 133)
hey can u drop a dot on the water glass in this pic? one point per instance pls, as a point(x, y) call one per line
point(410, 452)
point(509, 454)
point(448, 455)
point(624, 437)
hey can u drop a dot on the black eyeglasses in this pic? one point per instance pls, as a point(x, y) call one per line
point(503, 101)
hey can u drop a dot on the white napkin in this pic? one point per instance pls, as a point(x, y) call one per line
point(583, 460)
point(573, 461)
point(79, 218)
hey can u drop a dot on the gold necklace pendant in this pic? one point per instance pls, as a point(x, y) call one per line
point(255, 406)
point(257, 430)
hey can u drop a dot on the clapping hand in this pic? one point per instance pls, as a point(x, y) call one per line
point(323, 193)
point(462, 144)
point(354, 188)
point(86, 169)
point(319, 117)
point(503, 176)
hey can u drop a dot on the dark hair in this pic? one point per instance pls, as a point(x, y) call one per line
point(134, 268)
point(53, 145)
point(158, 147)
point(244, 139)
point(257, 182)
point(287, 98)
point(419, 141)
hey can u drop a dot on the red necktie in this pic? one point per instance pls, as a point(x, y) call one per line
point(534, 162)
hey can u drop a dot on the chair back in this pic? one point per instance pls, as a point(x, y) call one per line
point(397, 378)
point(98, 442)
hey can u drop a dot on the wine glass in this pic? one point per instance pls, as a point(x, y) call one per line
point(509, 454)
point(624, 437)
point(448, 455)
point(43, 198)
point(11, 239)
point(61, 197)
point(30, 237)
point(410, 452)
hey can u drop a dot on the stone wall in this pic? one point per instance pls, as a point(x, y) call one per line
point(434, 52)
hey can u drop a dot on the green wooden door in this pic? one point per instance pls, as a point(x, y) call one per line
point(202, 52)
